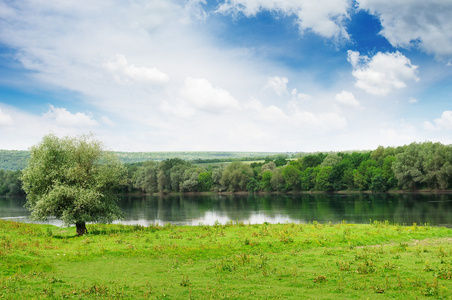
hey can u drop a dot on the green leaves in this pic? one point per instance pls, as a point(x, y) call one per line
point(424, 165)
point(72, 179)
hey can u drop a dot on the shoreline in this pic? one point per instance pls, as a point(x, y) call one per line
point(343, 192)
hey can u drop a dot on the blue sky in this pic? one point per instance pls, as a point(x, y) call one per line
point(227, 75)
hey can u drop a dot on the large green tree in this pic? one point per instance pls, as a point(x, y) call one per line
point(73, 179)
point(236, 176)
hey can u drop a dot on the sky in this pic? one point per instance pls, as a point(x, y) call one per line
point(226, 75)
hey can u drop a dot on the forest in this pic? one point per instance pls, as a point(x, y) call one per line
point(411, 167)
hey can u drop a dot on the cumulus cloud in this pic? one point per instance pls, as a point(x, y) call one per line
point(278, 84)
point(107, 121)
point(200, 93)
point(330, 121)
point(296, 96)
point(268, 114)
point(325, 18)
point(347, 99)
point(63, 117)
point(382, 73)
point(5, 119)
point(415, 23)
point(444, 122)
point(124, 72)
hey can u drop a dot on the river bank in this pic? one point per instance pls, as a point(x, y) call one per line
point(417, 191)
point(233, 260)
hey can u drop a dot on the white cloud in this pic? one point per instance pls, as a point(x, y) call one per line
point(444, 122)
point(329, 120)
point(269, 114)
point(413, 101)
point(178, 109)
point(415, 23)
point(323, 17)
point(124, 72)
point(348, 99)
point(65, 118)
point(195, 10)
point(201, 100)
point(5, 119)
point(201, 94)
point(278, 84)
point(107, 121)
point(296, 96)
point(382, 73)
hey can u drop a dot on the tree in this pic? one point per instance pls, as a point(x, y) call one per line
point(205, 181)
point(322, 182)
point(277, 180)
point(266, 180)
point(292, 177)
point(331, 160)
point(408, 167)
point(170, 173)
point(73, 179)
point(236, 176)
point(311, 161)
point(145, 177)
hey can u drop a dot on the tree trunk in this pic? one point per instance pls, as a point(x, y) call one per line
point(81, 228)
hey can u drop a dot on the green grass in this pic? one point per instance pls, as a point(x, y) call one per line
point(226, 261)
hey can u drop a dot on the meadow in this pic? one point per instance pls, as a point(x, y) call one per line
point(378, 260)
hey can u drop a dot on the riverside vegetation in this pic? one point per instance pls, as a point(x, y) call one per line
point(226, 261)
point(411, 167)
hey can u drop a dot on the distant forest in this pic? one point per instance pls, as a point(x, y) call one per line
point(411, 167)
point(17, 160)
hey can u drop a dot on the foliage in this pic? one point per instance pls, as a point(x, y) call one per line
point(10, 184)
point(292, 177)
point(74, 180)
point(13, 160)
point(415, 166)
point(236, 176)
point(424, 165)
point(145, 177)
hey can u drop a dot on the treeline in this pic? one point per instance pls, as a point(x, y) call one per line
point(10, 184)
point(414, 166)
point(411, 167)
point(17, 160)
point(13, 159)
point(243, 159)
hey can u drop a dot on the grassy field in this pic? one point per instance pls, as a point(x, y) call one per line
point(226, 261)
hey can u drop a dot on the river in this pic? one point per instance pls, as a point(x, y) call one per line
point(432, 209)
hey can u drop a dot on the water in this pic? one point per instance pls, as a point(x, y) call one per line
point(434, 209)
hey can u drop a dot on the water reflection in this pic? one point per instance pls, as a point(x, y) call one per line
point(435, 209)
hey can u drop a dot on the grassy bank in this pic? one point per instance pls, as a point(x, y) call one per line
point(229, 261)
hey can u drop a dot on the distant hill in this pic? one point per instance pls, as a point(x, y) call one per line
point(13, 159)
point(135, 157)
point(17, 160)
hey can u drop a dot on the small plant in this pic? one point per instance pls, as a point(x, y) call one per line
point(343, 265)
point(49, 232)
point(389, 266)
point(185, 281)
point(428, 268)
point(380, 289)
point(442, 253)
point(320, 278)
point(445, 272)
point(366, 267)
point(431, 289)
